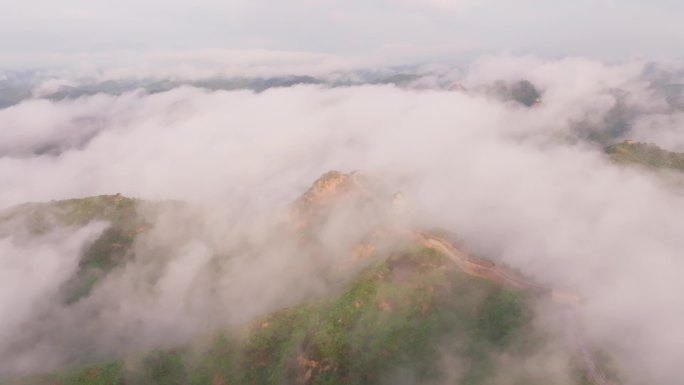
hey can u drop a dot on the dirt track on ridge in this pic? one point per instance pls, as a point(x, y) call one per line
point(490, 271)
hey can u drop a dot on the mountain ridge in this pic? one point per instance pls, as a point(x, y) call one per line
point(395, 315)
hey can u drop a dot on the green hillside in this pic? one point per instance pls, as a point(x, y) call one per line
point(645, 154)
point(391, 325)
point(413, 315)
point(112, 248)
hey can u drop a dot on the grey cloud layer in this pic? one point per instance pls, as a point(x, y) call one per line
point(466, 27)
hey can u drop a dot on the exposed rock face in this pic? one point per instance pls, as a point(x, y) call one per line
point(332, 189)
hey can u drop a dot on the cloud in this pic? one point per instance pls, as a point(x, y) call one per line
point(31, 273)
point(50, 86)
point(665, 130)
point(445, 4)
point(75, 27)
point(517, 185)
point(179, 64)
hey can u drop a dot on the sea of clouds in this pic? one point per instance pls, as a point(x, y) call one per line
point(528, 187)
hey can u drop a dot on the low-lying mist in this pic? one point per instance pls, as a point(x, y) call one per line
point(526, 186)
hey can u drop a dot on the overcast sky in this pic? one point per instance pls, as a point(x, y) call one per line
point(31, 30)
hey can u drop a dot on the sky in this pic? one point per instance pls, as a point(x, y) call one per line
point(39, 32)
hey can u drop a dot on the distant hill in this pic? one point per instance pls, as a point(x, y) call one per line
point(645, 154)
point(522, 91)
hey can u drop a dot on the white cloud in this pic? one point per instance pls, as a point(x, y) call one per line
point(31, 273)
point(50, 86)
point(505, 178)
point(186, 65)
